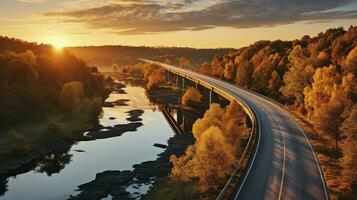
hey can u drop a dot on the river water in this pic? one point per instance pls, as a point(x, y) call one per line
point(86, 159)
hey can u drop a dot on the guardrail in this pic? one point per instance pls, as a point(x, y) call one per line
point(246, 159)
point(253, 141)
point(284, 107)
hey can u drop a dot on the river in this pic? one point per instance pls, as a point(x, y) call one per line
point(61, 175)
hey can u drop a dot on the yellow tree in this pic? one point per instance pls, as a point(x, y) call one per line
point(156, 77)
point(212, 158)
point(349, 128)
point(233, 125)
point(230, 71)
point(115, 68)
point(299, 75)
point(167, 61)
point(350, 63)
point(244, 74)
point(328, 100)
point(184, 62)
point(191, 96)
point(274, 85)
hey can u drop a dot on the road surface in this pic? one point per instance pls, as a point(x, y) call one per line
point(284, 166)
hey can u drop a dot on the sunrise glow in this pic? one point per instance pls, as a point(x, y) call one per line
point(57, 43)
point(178, 99)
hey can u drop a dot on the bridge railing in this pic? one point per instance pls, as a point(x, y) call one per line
point(245, 161)
point(237, 177)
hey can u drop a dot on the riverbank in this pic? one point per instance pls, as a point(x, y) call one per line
point(74, 126)
point(71, 130)
point(60, 174)
point(118, 183)
point(135, 184)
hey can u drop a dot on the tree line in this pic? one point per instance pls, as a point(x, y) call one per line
point(128, 55)
point(35, 80)
point(316, 76)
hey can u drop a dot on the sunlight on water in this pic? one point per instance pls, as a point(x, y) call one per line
point(90, 157)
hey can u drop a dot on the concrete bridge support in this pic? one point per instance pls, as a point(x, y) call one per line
point(213, 97)
point(179, 117)
point(168, 76)
point(177, 80)
point(184, 79)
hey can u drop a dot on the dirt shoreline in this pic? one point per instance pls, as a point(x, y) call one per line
point(115, 182)
point(63, 146)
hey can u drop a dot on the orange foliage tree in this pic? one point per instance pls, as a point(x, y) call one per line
point(184, 62)
point(329, 99)
point(349, 127)
point(191, 96)
point(213, 156)
point(156, 77)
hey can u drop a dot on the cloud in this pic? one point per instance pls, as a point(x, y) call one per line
point(150, 16)
point(32, 1)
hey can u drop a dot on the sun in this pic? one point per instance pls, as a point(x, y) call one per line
point(58, 47)
point(58, 43)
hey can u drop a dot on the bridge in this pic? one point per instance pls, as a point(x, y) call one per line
point(279, 161)
point(175, 126)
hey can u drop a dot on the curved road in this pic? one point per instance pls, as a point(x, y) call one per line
point(284, 165)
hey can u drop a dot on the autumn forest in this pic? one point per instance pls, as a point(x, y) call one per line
point(178, 100)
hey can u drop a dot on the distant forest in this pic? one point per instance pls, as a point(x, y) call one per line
point(105, 56)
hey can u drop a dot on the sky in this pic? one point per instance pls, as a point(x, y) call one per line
point(189, 23)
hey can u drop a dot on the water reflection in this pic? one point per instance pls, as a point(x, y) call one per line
point(184, 118)
point(53, 164)
point(57, 176)
point(3, 186)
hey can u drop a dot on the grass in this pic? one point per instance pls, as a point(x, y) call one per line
point(79, 121)
point(165, 188)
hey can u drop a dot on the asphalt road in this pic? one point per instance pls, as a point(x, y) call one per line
point(285, 166)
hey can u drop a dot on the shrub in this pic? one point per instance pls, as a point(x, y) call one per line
point(52, 133)
point(211, 159)
point(19, 145)
point(115, 68)
point(95, 109)
point(191, 97)
point(156, 78)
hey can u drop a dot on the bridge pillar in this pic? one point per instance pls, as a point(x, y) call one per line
point(197, 83)
point(212, 97)
point(167, 76)
point(183, 122)
point(183, 82)
point(179, 116)
point(177, 80)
